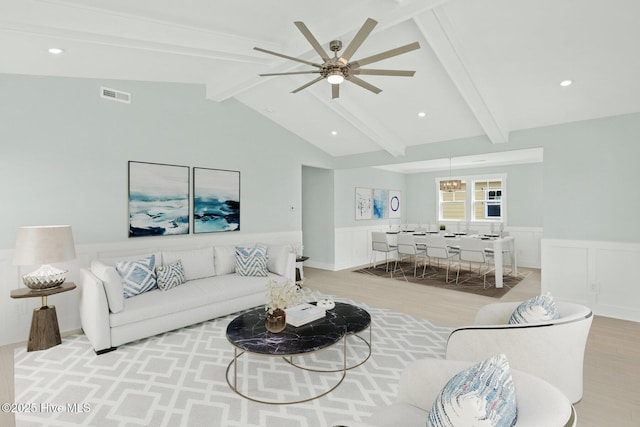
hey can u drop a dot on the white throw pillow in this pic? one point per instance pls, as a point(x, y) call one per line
point(480, 396)
point(225, 259)
point(197, 263)
point(112, 284)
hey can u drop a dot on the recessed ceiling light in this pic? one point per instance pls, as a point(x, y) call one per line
point(56, 51)
point(334, 133)
point(422, 114)
point(566, 83)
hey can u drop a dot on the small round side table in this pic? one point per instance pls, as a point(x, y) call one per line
point(45, 332)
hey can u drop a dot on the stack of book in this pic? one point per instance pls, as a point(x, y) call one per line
point(304, 313)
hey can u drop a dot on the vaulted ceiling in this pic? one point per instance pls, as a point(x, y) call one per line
point(484, 67)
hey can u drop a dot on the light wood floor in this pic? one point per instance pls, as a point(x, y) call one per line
point(612, 358)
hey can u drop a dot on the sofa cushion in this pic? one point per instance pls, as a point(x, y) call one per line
point(251, 261)
point(197, 263)
point(277, 258)
point(170, 276)
point(192, 294)
point(482, 395)
point(225, 259)
point(137, 276)
point(112, 283)
point(540, 308)
point(113, 261)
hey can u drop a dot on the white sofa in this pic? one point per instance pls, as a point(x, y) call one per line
point(552, 350)
point(212, 289)
point(539, 403)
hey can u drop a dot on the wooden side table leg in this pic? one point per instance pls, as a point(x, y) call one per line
point(45, 332)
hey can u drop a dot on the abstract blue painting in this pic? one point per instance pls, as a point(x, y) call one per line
point(216, 200)
point(380, 206)
point(158, 199)
point(395, 198)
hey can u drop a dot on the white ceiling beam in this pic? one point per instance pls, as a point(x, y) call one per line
point(437, 30)
point(378, 134)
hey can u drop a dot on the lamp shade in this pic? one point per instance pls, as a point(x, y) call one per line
point(44, 245)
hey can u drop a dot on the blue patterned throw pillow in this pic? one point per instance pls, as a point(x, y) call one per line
point(251, 261)
point(482, 395)
point(137, 276)
point(170, 276)
point(537, 309)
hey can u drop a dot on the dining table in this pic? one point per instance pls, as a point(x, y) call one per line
point(494, 241)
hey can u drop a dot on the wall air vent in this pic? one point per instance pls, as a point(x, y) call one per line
point(115, 95)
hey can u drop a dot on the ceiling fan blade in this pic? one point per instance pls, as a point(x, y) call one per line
point(358, 39)
point(401, 73)
point(363, 84)
point(307, 85)
point(312, 40)
point(313, 64)
point(291, 73)
point(335, 91)
point(387, 54)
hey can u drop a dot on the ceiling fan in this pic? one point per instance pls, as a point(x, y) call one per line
point(338, 69)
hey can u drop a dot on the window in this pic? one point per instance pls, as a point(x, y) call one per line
point(453, 204)
point(487, 200)
point(481, 199)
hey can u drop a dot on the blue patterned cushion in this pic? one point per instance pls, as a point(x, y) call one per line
point(482, 395)
point(251, 261)
point(537, 309)
point(137, 276)
point(170, 276)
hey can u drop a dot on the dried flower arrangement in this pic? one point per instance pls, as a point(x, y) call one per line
point(281, 296)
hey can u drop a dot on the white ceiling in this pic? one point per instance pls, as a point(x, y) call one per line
point(484, 67)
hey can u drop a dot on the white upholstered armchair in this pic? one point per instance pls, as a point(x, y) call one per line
point(552, 350)
point(539, 403)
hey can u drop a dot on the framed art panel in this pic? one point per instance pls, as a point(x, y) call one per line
point(380, 204)
point(364, 203)
point(395, 204)
point(158, 199)
point(216, 200)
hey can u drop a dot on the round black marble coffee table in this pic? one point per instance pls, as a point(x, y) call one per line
point(247, 333)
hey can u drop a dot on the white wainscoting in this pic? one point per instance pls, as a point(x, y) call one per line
point(601, 275)
point(15, 314)
point(353, 246)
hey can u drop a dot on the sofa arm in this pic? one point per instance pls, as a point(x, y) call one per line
point(94, 311)
point(291, 268)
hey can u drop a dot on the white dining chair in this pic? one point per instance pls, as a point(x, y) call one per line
point(407, 246)
point(380, 243)
point(437, 247)
point(473, 250)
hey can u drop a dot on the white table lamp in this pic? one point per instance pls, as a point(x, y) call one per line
point(43, 245)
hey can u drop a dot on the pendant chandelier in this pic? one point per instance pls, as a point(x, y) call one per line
point(450, 184)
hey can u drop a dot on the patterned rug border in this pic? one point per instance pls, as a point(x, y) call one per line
point(435, 277)
point(178, 379)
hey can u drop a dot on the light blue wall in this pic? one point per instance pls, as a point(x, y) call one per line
point(346, 181)
point(525, 198)
point(318, 215)
point(64, 153)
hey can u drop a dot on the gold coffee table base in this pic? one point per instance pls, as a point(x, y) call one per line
point(234, 385)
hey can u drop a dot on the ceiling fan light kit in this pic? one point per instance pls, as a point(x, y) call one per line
point(338, 69)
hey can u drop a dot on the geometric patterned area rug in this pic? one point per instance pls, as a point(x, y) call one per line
point(179, 378)
point(470, 282)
